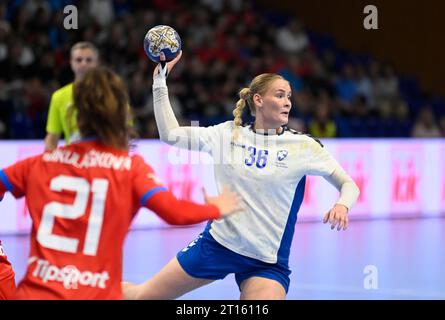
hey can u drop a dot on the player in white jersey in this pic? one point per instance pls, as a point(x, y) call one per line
point(266, 163)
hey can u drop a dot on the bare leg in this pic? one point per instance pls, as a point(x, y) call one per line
point(169, 283)
point(259, 288)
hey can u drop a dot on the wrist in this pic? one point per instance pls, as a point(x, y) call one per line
point(343, 205)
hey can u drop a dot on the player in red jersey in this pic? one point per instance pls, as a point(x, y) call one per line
point(83, 197)
point(7, 282)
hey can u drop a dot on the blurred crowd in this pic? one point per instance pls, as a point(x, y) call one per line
point(225, 44)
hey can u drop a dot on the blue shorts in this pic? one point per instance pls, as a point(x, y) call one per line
point(205, 258)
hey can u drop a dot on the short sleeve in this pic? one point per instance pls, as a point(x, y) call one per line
point(145, 183)
point(53, 123)
point(15, 178)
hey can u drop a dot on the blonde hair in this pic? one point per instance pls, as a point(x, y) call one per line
point(258, 85)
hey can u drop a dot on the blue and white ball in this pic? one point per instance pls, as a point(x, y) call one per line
point(162, 39)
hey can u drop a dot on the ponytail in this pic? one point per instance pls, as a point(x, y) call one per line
point(244, 95)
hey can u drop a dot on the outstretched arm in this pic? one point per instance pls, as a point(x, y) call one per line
point(183, 212)
point(180, 212)
point(169, 130)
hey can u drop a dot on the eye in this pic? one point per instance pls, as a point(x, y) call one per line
point(86, 59)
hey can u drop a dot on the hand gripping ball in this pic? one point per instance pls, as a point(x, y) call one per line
point(162, 39)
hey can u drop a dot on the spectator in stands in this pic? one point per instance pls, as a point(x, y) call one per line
point(442, 125)
point(364, 86)
point(346, 85)
point(322, 126)
point(386, 87)
point(292, 38)
point(425, 125)
point(34, 43)
point(402, 123)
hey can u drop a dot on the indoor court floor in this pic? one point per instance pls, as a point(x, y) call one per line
point(372, 259)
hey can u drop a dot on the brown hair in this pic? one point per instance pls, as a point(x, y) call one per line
point(259, 85)
point(101, 103)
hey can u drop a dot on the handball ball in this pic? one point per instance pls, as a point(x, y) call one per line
point(162, 39)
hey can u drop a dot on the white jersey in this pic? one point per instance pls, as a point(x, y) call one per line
point(269, 173)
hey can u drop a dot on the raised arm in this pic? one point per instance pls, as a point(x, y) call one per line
point(169, 130)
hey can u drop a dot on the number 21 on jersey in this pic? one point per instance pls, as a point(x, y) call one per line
point(55, 209)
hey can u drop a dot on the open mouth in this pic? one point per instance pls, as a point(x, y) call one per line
point(285, 113)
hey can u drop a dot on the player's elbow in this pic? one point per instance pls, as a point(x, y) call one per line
point(166, 136)
point(163, 137)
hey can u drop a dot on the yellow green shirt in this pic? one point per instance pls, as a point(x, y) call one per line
point(58, 121)
point(330, 131)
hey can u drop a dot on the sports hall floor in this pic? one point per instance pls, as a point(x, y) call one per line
point(405, 256)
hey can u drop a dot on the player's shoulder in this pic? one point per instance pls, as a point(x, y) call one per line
point(65, 91)
point(139, 163)
point(137, 158)
point(302, 136)
point(31, 163)
point(220, 128)
point(224, 125)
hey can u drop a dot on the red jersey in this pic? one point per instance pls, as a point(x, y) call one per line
point(82, 199)
point(7, 281)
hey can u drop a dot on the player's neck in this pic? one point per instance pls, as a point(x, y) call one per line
point(263, 128)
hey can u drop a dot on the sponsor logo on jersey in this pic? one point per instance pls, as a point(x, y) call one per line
point(236, 144)
point(281, 155)
point(69, 275)
point(279, 161)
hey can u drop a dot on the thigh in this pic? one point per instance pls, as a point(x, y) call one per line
point(259, 288)
point(169, 283)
